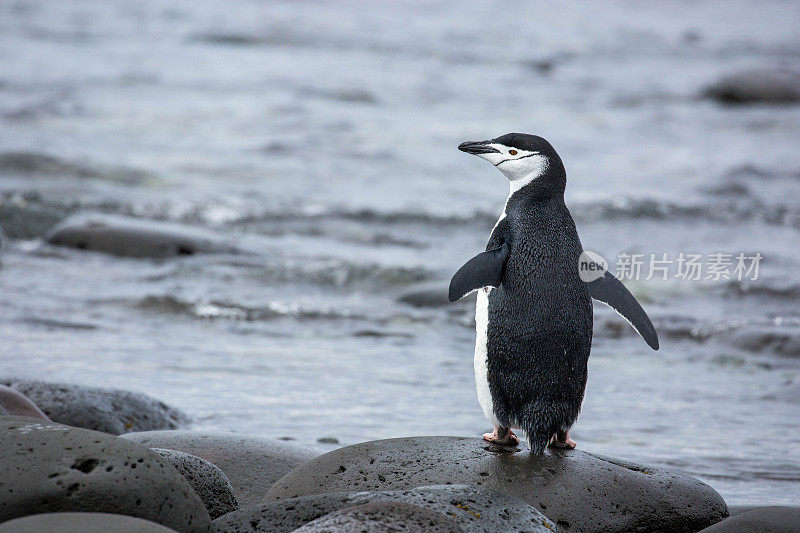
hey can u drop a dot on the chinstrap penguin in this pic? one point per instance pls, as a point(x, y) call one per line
point(534, 311)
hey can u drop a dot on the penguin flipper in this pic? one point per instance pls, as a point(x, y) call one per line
point(612, 292)
point(484, 270)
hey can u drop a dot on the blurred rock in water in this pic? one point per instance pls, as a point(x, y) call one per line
point(769, 86)
point(131, 237)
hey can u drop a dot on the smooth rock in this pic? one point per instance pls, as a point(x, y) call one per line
point(383, 517)
point(207, 480)
point(251, 464)
point(577, 490)
point(473, 509)
point(81, 523)
point(47, 467)
point(13, 402)
point(108, 410)
point(774, 86)
point(739, 509)
point(774, 519)
point(133, 237)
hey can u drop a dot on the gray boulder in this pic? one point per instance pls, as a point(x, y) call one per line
point(108, 410)
point(578, 490)
point(774, 519)
point(81, 523)
point(13, 402)
point(251, 464)
point(383, 517)
point(207, 480)
point(47, 467)
point(473, 509)
point(774, 86)
point(133, 237)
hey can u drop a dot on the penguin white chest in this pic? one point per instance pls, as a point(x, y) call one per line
point(481, 360)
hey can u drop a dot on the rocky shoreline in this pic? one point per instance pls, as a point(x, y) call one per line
point(76, 458)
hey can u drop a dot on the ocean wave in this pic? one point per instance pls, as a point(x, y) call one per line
point(621, 208)
point(770, 288)
point(211, 309)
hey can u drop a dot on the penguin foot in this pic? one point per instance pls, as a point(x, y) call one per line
point(561, 440)
point(502, 436)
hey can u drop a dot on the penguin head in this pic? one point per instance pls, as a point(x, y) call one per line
point(522, 158)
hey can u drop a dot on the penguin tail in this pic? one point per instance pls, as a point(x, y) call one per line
point(539, 430)
point(541, 423)
point(537, 443)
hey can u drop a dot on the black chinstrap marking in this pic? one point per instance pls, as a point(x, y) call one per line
point(517, 158)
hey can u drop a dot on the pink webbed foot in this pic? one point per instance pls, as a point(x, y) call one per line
point(503, 436)
point(561, 440)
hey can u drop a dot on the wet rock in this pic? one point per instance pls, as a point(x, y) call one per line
point(774, 519)
point(251, 464)
point(774, 86)
point(108, 410)
point(578, 490)
point(383, 517)
point(207, 480)
point(47, 467)
point(81, 523)
point(133, 237)
point(473, 509)
point(15, 403)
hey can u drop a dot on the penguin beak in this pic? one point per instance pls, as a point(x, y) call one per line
point(477, 147)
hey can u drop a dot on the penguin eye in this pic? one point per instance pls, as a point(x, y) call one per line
point(512, 152)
